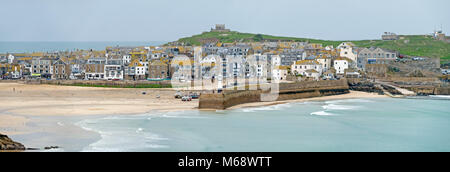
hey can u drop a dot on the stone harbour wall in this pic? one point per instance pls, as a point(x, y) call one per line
point(287, 91)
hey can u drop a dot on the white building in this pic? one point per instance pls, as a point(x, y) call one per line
point(329, 48)
point(126, 59)
point(325, 62)
point(113, 69)
point(347, 50)
point(276, 60)
point(300, 67)
point(279, 73)
point(10, 58)
point(145, 65)
point(76, 71)
point(341, 64)
point(311, 73)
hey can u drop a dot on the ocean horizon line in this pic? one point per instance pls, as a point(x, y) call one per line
point(53, 46)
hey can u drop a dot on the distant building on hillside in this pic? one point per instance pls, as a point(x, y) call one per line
point(439, 35)
point(220, 28)
point(374, 55)
point(389, 36)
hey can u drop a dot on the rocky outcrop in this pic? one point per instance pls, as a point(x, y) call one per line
point(7, 144)
point(365, 87)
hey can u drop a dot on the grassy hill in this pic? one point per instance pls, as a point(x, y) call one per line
point(412, 45)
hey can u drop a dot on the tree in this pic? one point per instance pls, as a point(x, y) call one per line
point(258, 38)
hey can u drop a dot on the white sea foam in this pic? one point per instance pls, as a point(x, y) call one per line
point(322, 113)
point(338, 107)
point(181, 116)
point(349, 101)
point(267, 108)
point(441, 96)
point(60, 124)
point(54, 150)
point(120, 138)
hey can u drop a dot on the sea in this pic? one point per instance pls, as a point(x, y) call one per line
point(30, 47)
point(351, 125)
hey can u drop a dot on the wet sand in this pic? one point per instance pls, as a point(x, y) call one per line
point(20, 102)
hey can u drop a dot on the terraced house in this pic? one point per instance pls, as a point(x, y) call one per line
point(10, 71)
point(375, 56)
point(301, 67)
point(135, 70)
point(95, 69)
point(42, 67)
point(61, 70)
point(113, 69)
point(158, 70)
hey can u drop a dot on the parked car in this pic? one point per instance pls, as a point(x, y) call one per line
point(418, 59)
point(194, 95)
point(186, 98)
point(178, 95)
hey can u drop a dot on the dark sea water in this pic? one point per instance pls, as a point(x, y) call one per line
point(380, 124)
point(28, 47)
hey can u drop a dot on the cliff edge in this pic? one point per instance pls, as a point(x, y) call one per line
point(7, 144)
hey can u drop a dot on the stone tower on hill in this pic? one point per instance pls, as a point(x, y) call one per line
point(220, 28)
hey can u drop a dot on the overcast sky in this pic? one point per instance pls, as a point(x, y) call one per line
point(168, 20)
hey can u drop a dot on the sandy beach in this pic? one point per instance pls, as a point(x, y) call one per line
point(20, 102)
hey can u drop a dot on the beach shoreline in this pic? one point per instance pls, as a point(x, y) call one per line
point(42, 115)
point(20, 102)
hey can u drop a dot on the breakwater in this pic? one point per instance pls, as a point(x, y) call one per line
point(287, 91)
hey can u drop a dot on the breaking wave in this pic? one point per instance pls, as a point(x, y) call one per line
point(123, 138)
point(338, 107)
point(322, 113)
point(267, 108)
point(441, 96)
